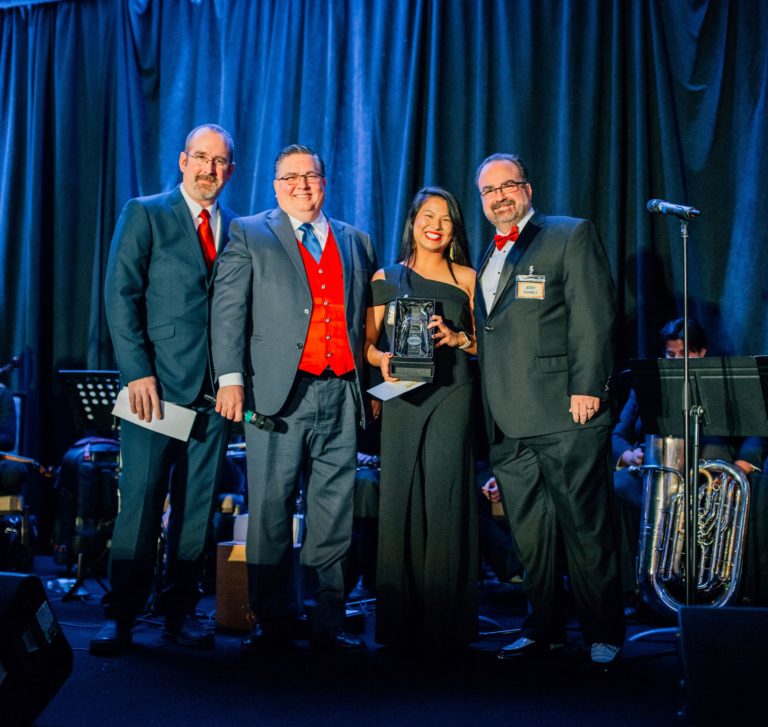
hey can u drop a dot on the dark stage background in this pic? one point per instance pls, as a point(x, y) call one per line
point(610, 102)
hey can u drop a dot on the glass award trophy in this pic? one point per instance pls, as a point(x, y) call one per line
point(411, 342)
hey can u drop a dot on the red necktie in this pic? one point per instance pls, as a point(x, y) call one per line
point(207, 243)
point(502, 240)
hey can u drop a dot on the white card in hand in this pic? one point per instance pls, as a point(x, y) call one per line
point(177, 420)
point(391, 389)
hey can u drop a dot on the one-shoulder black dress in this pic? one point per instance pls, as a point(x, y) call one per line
point(427, 559)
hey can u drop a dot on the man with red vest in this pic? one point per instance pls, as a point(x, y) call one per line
point(288, 325)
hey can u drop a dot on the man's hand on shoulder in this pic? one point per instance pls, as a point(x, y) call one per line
point(229, 402)
point(144, 399)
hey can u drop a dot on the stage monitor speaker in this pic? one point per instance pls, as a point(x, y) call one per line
point(725, 661)
point(35, 656)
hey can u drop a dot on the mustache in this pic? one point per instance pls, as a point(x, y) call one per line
point(502, 203)
point(206, 178)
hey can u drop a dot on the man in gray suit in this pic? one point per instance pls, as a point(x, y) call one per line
point(158, 290)
point(544, 320)
point(288, 327)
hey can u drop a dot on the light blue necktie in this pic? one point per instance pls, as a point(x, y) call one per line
point(311, 242)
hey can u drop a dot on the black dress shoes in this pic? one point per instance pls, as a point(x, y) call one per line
point(112, 639)
point(188, 631)
point(337, 641)
point(524, 647)
point(261, 640)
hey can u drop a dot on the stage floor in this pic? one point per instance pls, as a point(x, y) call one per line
point(161, 683)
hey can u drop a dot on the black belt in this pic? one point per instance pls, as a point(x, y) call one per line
point(327, 373)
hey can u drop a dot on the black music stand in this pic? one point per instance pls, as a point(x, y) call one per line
point(92, 395)
point(732, 392)
point(728, 397)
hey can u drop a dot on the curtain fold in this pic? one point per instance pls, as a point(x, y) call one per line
point(610, 103)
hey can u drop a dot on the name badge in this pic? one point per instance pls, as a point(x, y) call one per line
point(530, 287)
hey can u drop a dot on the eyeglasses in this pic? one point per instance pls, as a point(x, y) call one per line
point(506, 187)
point(201, 160)
point(309, 177)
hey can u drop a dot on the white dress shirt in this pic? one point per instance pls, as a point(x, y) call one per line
point(489, 278)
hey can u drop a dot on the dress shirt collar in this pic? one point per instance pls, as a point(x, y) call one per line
point(319, 227)
point(520, 226)
point(195, 208)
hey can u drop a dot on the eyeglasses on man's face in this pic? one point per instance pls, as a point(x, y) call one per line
point(292, 179)
point(202, 160)
point(505, 188)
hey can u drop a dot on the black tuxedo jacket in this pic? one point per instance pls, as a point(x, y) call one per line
point(536, 353)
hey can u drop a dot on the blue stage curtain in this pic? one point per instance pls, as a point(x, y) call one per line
point(610, 103)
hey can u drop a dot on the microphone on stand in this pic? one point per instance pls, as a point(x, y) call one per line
point(659, 206)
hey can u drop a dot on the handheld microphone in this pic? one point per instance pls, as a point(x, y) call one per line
point(661, 207)
point(260, 421)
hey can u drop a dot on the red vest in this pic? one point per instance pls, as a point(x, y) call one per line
point(327, 341)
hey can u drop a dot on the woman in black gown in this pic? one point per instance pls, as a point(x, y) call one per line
point(427, 557)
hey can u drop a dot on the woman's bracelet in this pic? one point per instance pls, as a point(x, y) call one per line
point(464, 346)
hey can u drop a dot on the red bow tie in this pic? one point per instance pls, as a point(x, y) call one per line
point(502, 240)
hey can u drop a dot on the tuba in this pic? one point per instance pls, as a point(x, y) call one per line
point(723, 506)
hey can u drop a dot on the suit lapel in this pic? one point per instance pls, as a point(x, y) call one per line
point(479, 297)
point(344, 246)
point(225, 217)
point(282, 229)
point(187, 225)
point(485, 259)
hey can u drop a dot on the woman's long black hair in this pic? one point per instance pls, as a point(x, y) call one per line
point(458, 250)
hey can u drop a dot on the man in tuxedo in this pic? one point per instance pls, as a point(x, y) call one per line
point(288, 331)
point(544, 320)
point(158, 291)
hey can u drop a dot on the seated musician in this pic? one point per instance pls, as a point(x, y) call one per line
point(496, 547)
point(12, 474)
point(360, 569)
point(628, 438)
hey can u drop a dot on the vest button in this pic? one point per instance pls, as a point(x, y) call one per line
point(299, 345)
point(306, 311)
point(489, 328)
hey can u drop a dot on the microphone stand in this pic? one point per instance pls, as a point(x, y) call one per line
point(690, 455)
point(690, 461)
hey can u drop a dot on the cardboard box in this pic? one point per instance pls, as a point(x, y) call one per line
point(232, 609)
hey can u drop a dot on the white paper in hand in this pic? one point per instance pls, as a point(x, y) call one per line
point(177, 420)
point(391, 389)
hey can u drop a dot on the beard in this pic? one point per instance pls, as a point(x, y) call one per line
point(206, 186)
point(509, 212)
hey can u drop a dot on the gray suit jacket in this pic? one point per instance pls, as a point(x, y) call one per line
point(534, 354)
point(262, 304)
point(158, 293)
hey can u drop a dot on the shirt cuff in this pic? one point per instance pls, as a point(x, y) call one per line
point(231, 380)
